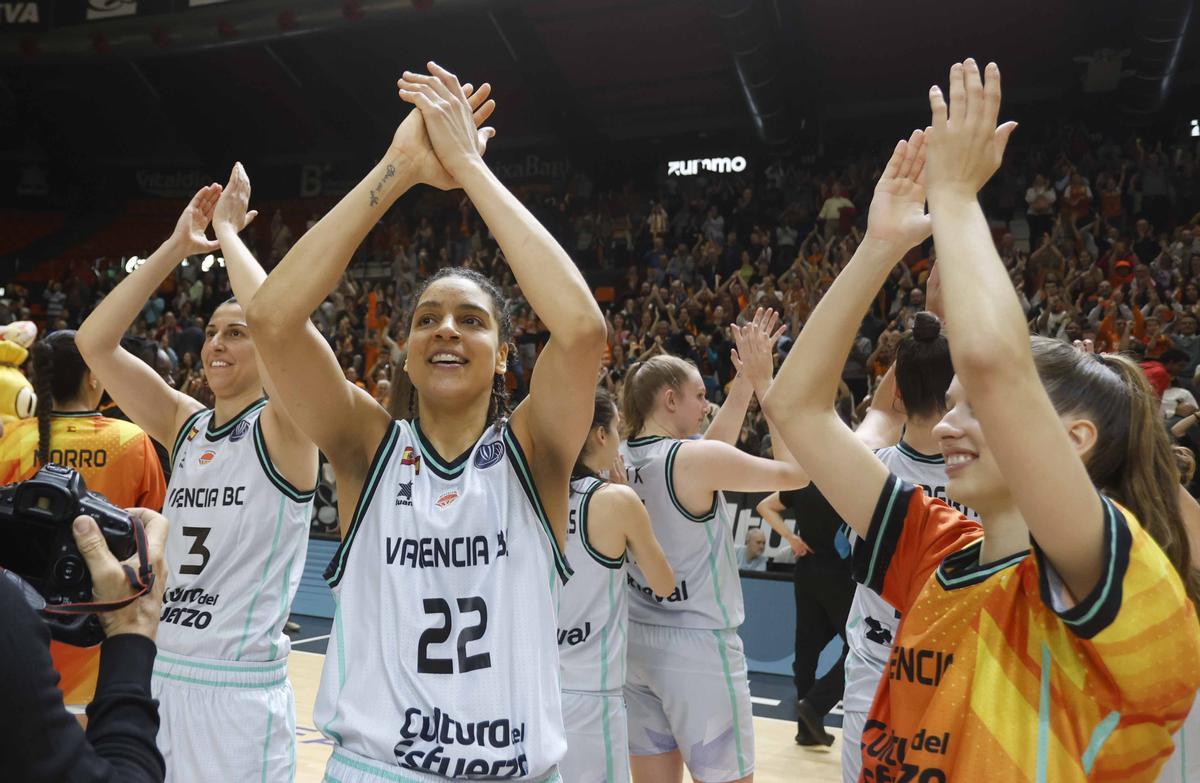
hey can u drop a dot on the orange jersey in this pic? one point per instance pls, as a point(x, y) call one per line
point(117, 460)
point(994, 676)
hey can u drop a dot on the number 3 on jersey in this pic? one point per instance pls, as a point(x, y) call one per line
point(438, 634)
point(199, 534)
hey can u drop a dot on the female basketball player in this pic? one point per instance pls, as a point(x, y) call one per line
point(606, 520)
point(114, 457)
point(443, 661)
point(687, 692)
point(1006, 666)
point(239, 523)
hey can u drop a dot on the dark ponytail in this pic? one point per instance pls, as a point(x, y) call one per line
point(58, 370)
point(923, 367)
point(604, 410)
point(1131, 461)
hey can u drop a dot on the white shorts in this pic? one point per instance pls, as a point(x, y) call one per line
point(1184, 764)
point(852, 729)
point(597, 738)
point(687, 689)
point(346, 766)
point(225, 720)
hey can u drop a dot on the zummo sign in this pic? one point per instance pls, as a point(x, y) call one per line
point(690, 168)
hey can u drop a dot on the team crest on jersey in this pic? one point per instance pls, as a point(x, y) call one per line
point(193, 432)
point(489, 454)
point(447, 499)
point(207, 457)
point(404, 494)
point(411, 457)
point(240, 431)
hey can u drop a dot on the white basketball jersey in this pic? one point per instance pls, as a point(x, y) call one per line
point(708, 594)
point(236, 545)
point(443, 656)
point(872, 622)
point(594, 609)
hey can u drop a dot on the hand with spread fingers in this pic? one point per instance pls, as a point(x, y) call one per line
point(754, 354)
point(232, 210)
point(897, 215)
point(446, 132)
point(964, 145)
point(190, 234)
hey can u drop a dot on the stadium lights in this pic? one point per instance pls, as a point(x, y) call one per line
point(221, 261)
point(1196, 128)
point(133, 263)
point(207, 263)
point(185, 262)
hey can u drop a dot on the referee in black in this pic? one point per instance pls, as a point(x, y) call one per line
point(824, 591)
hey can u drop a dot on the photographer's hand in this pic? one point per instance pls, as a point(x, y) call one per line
point(109, 582)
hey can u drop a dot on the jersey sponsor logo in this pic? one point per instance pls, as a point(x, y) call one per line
point(404, 493)
point(207, 457)
point(428, 744)
point(489, 454)
point(679, 594)
point(206, 497)
point(887, 757)
point(458, 552)
point(447, 499)
point(410, 457)
point(574, 636)
point(240, 431)
point(924, 667)
point(878, 632)
point(186, 616)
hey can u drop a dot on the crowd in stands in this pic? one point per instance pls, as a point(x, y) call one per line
point(1101, 232)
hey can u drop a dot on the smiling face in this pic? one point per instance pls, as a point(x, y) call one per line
point(454, 347)
point(972, 476)
point(228, 353)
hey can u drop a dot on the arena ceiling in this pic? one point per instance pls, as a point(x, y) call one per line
point(582, 74)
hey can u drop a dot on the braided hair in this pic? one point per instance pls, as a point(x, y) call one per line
point(498, 405)
point(58, 370)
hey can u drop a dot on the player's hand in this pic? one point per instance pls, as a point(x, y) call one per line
point(897, 213)
point(964, 146)
point(448, 123)
point(799, 548)
point(616, 473)
point(189, 236)
point(109, 582)
point(232, 212)
point(754, 354)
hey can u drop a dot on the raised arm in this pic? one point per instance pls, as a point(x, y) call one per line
point(988, 340)
point(882, 423)
point(552, 422)
point(801, 399)
point(341, 419)
point(291, 451)
point(137, 388)
point(727, 424)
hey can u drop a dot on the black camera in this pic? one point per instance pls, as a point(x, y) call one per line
point(37, 545)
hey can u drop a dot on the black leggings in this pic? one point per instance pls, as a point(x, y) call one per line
point(824, 592)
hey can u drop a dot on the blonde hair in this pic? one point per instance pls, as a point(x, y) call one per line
point(643, 382)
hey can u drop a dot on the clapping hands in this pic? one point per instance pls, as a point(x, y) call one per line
point(964, 145)
point(446, 133)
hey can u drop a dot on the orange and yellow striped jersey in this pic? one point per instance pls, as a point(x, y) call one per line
point(117, 460)
point(994, 675)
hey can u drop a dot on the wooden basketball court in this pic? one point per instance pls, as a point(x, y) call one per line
point(779, 759)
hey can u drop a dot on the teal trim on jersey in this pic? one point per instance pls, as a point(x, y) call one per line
point(262, 580)
point(271, 667)
point(330, 779)
point(881, 534)
point(1110, 567)
point(1100, 735)
point(379, 462)
point(358, 766)
point(635, 443)
point(253, 686)
point(525, 479)
point(737, 720)
point(181, 436)
point(434, 461)
point(273, 474)
point(670, 470)
point(716, 578)
point(973, 572)
point(267, 744)
point(608, 749)
point(76, 414)
point(216, 433)
point(916, 456)
point(596, 555)
point(340, 639)
point(283, 602)
point(1043, 735)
